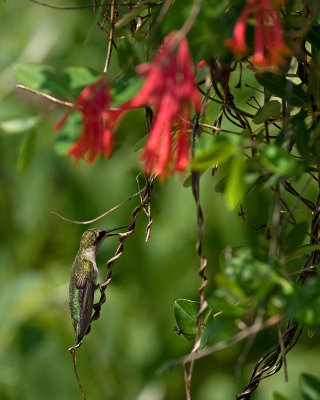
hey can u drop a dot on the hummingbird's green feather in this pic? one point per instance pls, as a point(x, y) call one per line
point(83, 282)
point(81, 291)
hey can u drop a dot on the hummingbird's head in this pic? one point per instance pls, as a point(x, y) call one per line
point(92, 238)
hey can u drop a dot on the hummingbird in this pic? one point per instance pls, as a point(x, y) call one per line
point(84, 280)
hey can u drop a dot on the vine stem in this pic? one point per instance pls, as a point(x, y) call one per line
point(100, 216)
point(46, 96)
point(144, 202)
point(244, 334)
point(74, 361)
point(188, 364)
point(110, 44)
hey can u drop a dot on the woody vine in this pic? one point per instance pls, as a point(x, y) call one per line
point(234, 88)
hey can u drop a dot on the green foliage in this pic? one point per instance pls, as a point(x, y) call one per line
point(213, 150)
point(185, 312)
point(295, 238)
point(235, 185)
point(68, 134)
point(124, 89)
point(278, 396)
point(18, 124)
point(271, 110)
point(25, 150)
point(303, 250)
point(280, 162)
point(66, 85)
point(285, 89)
point(310, 387)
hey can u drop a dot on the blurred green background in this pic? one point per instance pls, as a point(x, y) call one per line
point(134, 335)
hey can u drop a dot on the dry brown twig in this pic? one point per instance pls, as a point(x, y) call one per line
point(110, 44)
point(245, 333)
point(144, 202)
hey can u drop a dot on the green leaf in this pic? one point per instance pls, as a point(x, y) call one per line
point(278, 396)
point(300, 133)
point(204, 41)
point(68, 134)
point(130, 53)
point(249, 270)
point(310, 387)
point(25, 151)
point(283, 88)
point(296, 236)
point(124, 89)
point(313, 36)
point(272, 110)
point(136, 10)
point(236, 186)
point(221, 185)
point(221, 326)
point(302, 250)
point(42, 78)
point(279, 161)
point(303, 303)
point(185, 312)
point(18, 124)
point(221, 150)
point(77, 78)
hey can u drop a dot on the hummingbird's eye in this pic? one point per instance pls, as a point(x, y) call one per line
point(100, 235)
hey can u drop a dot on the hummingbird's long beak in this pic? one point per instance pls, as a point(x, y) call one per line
point(114, 229)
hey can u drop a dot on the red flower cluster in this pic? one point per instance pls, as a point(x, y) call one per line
point(269, 46)
point(97, 121)
point(169, 89)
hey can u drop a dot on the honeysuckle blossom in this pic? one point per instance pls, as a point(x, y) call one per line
point(97, 122)
point(269, 46)
point(171, 91)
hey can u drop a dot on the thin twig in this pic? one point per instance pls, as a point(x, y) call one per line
point(162, 13)
point(112, 12)
point(41, 3)
point(289, 188)
point(191, 18)
point(249, 341)
point(63, 8)
point(283, 353)
point(46, 96)
point(102, 215)
point(122, 237)
point(243, 216)
point(187, 364)
point(245, 333)
point(74, 361)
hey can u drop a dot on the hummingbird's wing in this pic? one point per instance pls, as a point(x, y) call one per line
point(86, 288)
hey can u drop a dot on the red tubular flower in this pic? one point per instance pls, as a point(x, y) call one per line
point(171, 90)
point(269, 46)
point(97, 121)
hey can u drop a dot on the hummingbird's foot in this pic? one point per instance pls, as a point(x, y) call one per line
point(75, 347)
